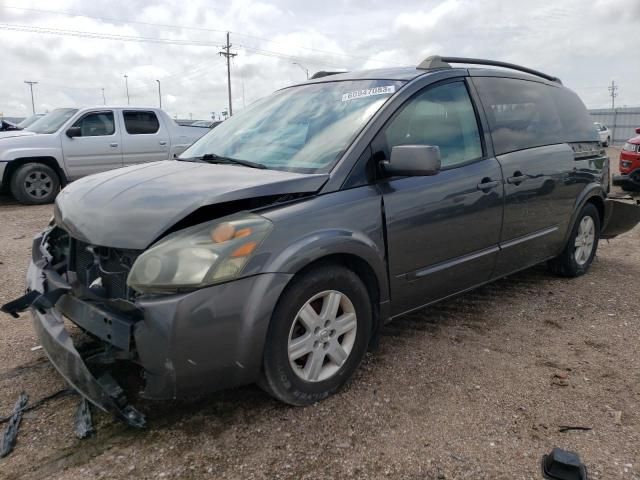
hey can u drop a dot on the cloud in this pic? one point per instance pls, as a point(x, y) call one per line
point(587, 44)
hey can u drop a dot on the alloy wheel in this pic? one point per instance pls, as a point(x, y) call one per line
point(322, 336)
point(585, 239)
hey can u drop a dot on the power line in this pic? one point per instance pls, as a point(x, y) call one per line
point(187, 27)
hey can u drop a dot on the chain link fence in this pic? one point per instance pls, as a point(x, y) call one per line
point(621, 121)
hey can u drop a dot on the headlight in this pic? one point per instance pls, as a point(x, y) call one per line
point(198, 256)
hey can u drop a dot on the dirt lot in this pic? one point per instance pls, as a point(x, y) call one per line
point(476, 387)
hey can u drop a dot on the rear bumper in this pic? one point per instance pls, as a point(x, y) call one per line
point(620, 217)
point(625, 181)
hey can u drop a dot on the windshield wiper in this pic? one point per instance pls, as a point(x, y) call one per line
point(213, 158)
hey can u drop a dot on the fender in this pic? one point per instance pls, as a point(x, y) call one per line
point(590, 191)
point(324, 243)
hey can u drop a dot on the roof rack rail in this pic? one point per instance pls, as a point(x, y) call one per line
point(323, 73)
point(436, 61)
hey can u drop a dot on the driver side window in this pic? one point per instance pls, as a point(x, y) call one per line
point(441, 116)
point(96, 124)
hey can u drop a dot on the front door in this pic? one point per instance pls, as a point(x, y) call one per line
point(98, 148)
point(442, 230)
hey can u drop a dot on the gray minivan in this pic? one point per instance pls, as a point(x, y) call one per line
point(276, 246)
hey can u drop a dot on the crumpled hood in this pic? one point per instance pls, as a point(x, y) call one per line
point(16, 133)
point(131, 207)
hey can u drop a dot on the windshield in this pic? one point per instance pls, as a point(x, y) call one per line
point(300, 129)
point(51, 122)
point(29, 120)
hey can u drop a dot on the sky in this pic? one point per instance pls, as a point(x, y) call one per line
point(75, 48)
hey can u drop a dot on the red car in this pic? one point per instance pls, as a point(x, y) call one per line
point(629, 178)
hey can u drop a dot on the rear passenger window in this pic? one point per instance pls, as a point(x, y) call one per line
point(521, 113)
point(442, 116)
point(140, 123)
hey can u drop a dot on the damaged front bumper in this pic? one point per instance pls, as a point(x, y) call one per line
point(186, 344)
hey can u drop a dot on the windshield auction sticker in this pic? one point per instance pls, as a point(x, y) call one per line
point(368, 92)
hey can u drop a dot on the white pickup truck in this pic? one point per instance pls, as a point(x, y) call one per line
point(69, 143)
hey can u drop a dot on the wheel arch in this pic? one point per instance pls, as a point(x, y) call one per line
point(14, 165)
point(372, 274)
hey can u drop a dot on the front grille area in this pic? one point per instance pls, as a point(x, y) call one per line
point(102, 269)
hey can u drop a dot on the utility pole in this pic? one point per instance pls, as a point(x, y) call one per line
point(159, 94)
point(305, 69)
point(126, 84)
point(613, 92)
point(104, 100)
point(31, 84)
point(227, 53)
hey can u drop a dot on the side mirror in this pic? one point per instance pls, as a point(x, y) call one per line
point(638, 130)
point(413, 160)
point(74, 132)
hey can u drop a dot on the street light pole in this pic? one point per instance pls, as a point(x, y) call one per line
point(31, 84)
point(306, 70)
point(104, 100)
point(126, 84)
point(159, 94)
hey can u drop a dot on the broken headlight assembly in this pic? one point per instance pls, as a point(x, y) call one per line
point(199, 256)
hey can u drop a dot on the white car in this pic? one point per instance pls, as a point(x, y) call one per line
point(69, 143)
point(604, 132)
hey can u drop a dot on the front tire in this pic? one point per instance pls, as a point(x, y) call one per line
point(35, 184)
point(318, 335)
point(578, 254)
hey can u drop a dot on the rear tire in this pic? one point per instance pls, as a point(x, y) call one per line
point(578, 254)
point(318, 335)
point(35, 184)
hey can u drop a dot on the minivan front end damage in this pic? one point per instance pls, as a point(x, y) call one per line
point(183, 343)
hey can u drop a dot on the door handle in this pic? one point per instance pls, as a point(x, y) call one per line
point(162, 142)
point(487, 184)
point(517, 178)
point(113, 145)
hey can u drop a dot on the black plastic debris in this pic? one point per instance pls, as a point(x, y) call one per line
point(59, 393)
point(563, 465)
point(11, 432)
point(82, 421)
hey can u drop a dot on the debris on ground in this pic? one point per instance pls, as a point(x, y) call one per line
point(82, 422)
point(11, 432)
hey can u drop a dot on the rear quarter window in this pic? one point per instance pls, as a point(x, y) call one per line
point(140, 122)
point(526, 114)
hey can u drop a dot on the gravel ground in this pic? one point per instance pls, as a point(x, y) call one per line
point(476, 387)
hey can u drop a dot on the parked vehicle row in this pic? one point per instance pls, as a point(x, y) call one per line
point(70, 143)
point(277, 245)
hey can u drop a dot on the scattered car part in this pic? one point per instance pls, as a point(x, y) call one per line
point(11, 432)
point(82, 421)
point(568, 428)
point(563, 465)
point(33, 406)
